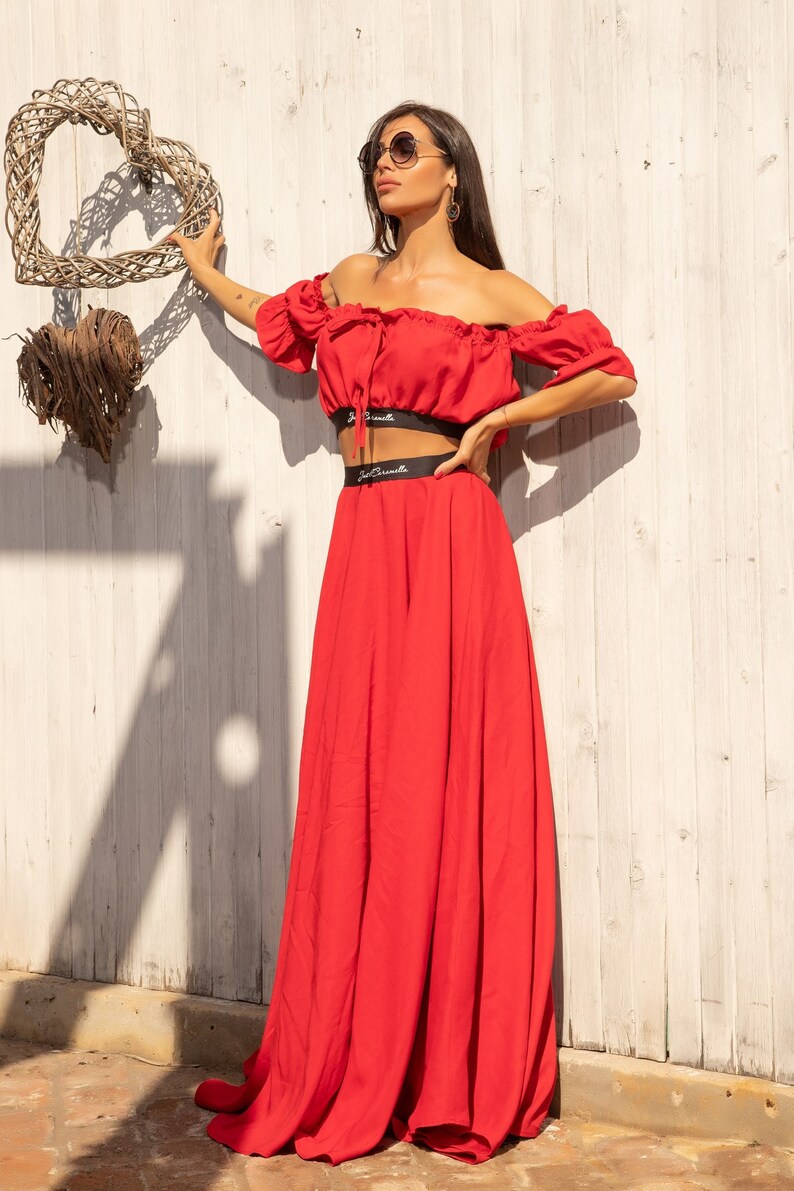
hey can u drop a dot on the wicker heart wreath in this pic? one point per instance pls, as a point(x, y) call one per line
point(108, 109)
point(85, 377)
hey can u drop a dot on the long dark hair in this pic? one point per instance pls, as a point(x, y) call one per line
point(473, 229)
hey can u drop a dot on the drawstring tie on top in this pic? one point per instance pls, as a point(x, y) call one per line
point(370, 322)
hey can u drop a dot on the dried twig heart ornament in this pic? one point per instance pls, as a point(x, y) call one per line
point(83, 376)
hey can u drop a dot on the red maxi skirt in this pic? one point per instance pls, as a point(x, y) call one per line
point(412, 992)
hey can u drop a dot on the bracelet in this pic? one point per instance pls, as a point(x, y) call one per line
point(504, 411)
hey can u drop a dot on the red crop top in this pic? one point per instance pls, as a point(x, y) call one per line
point(414, 359)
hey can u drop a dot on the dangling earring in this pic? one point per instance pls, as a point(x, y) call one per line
point(453, 208)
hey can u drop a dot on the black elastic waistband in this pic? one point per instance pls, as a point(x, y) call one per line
point(403, 419)
point(395, 469)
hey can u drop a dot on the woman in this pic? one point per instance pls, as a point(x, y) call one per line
point(412, 991)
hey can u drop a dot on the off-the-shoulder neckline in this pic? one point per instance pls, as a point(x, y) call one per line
point(495, 332)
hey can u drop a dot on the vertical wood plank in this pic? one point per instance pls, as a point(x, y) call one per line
point(771, 298)
point(610, 273)
point(642, 614)
point(21, 450)
point(59, 487)
point(678, 983)
point(237, 743)
point(273, 723)
point(704, 372)
point(746, 861)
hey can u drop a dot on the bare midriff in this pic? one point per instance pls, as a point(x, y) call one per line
point(393, 442)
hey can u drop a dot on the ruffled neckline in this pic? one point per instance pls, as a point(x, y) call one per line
point(451, 322)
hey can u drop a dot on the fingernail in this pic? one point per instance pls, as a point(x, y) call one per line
point(438, 474)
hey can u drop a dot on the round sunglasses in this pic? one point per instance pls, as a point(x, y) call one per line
point(402, 150)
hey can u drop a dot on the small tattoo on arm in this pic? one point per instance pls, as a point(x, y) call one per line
point(255, 301)
point(239, 296)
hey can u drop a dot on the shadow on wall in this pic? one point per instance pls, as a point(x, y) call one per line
point(170, 767)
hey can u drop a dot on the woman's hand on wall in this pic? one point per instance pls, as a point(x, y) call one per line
point(201, 252)
point(200, 255)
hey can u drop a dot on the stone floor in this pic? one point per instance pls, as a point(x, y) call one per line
point(84, 1121)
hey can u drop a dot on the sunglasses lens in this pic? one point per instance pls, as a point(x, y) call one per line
point(403, 147)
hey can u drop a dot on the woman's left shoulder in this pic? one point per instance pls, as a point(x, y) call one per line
point(514, 298)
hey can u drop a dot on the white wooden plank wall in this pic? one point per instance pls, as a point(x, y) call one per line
point(156, 619)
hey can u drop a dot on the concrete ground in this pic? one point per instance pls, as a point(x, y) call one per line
point(88, 1121)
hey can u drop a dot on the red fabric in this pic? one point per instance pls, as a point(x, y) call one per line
point(413, 978)
point(413, 984)
point(419, 360)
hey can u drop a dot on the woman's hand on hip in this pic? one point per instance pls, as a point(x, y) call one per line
point(473, 452)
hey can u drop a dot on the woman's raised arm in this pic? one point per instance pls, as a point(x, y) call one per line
point(200, 255)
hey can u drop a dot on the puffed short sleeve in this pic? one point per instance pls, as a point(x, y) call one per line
point(288, 324)
point(569, 342)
